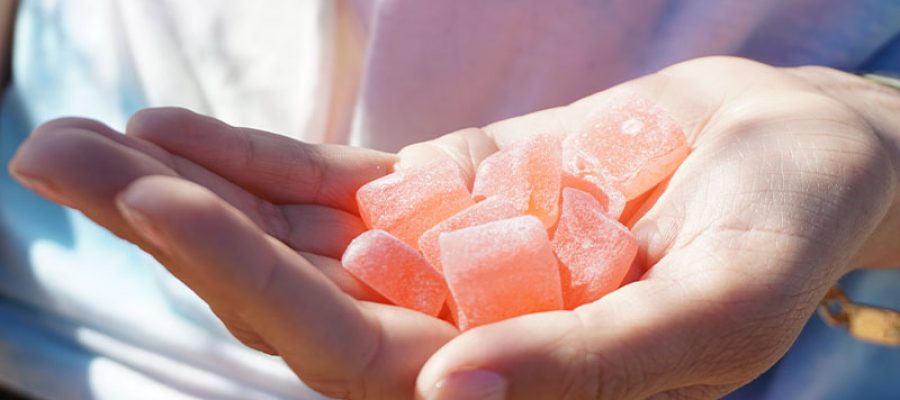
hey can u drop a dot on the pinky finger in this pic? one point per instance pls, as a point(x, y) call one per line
point(224, 257)
point(337, 345)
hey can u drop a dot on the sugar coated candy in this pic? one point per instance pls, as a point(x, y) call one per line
point(595, 250)
point(500, 270)
point(638, 206)
point(481, 257)
point(611, 200)
point(492, 209)
point(629, 143)
point(396, 271)
point(407, 203)
point(528, 174)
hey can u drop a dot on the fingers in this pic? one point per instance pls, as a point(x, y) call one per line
point(225, 258)
point(331, 342)
point(74, 163)
point(320, 230)
point(84, 164)
point(277, 168)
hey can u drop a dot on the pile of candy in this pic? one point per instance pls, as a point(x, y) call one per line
point(539, 230)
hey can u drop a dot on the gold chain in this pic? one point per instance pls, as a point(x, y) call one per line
point(867, 323)
point(864, 322)
point(892, 81)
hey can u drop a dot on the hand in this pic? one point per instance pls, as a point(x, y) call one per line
point(253, 222)
point(786, 188)
point(792, 181)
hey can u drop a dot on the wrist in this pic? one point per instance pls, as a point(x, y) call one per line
point(879, 106)
point(877, 103)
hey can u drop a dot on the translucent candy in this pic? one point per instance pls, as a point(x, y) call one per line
point(611, 200)
point(485, 262)
point(500, 270)
point(396, 271)
point(409, 202)
point(638, 206)
point(492, 209)
point(635, 271)
point(527, 174)
point(630, 144)
point(596, 251)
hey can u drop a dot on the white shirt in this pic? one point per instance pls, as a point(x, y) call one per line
point(86, 315)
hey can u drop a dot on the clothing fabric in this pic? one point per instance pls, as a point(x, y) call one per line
point(84, 315)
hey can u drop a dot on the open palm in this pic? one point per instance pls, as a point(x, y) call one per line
point(255, 223)
point(785, 189)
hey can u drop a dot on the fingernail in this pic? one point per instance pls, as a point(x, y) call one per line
point(476, 384)
point(142, 225)
point(40, 187)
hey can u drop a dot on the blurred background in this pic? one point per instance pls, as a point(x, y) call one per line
point(84, 315)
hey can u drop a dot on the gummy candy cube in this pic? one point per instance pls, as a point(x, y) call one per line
point(630, 144)
point(407, 203)
point(596, 251)
point(492, 209)
point(611, 200)
point(527, 174)
point(396, 271)
point(500, 270)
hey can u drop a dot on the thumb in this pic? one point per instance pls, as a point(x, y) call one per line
point(676, 334)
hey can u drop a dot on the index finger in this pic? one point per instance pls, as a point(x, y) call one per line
point(277, 168)
point(335, 344)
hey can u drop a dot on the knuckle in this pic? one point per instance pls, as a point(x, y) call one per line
point(311, 171)
point(316, 169)
point(250, 338)
point(248, 153)
point(272, 219)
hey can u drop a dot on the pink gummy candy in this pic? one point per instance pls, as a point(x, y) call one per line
point(611, 200)
point(500, 270)
point(527, 174)
point(492, 209)
point(630, 144)
point(595, 250)
point(396, 271)
point(407, 203)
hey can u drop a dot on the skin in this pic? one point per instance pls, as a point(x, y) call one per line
point(791, 183)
